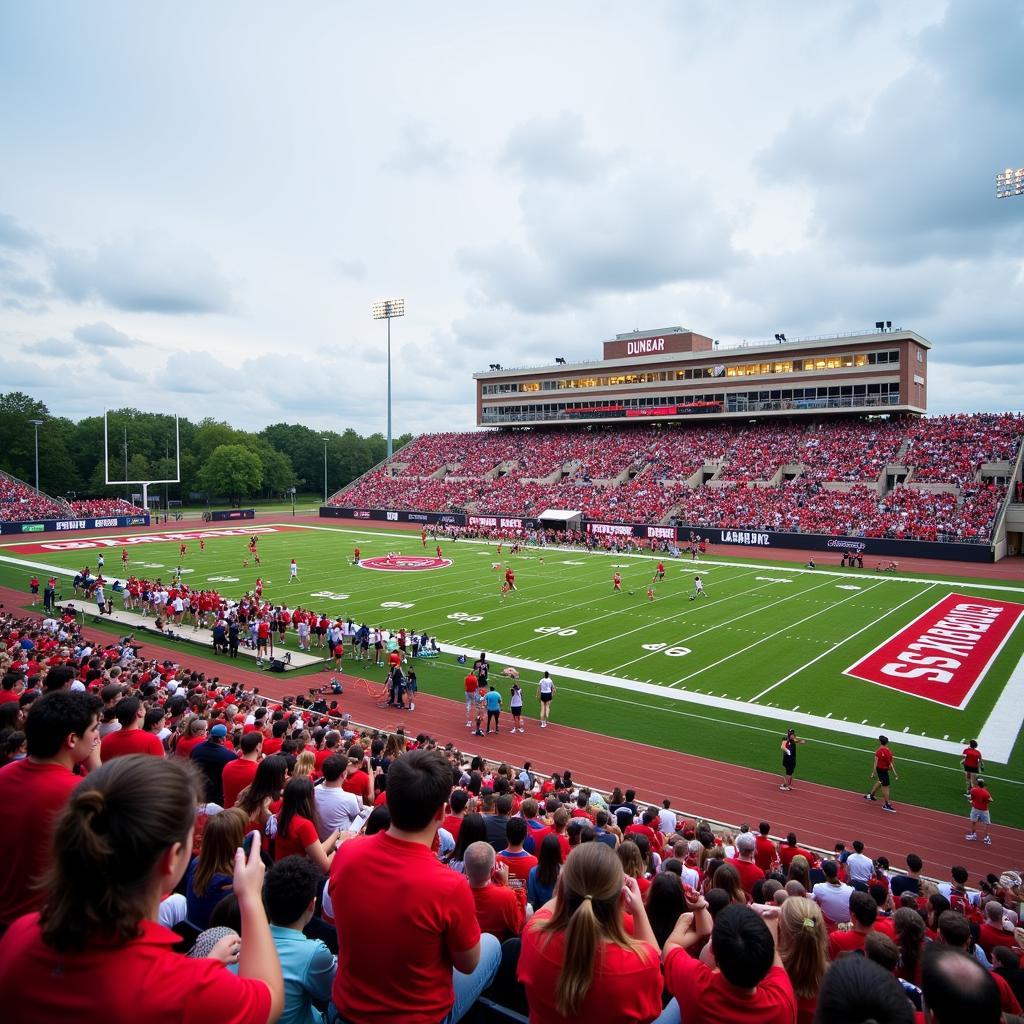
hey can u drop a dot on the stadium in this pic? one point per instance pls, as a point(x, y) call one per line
point(663, 675)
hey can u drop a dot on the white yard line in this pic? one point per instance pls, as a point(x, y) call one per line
point(835, 647)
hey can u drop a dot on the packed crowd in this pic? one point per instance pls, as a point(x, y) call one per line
point(105, 507)
point(304, 867)
point(652, 467)
point(20, 503)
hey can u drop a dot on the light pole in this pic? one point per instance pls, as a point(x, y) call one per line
point(325, 470)
point(385, 310)
point(37, 424)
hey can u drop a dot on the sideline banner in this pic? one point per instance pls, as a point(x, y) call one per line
point(60, 525)
point(232, 513)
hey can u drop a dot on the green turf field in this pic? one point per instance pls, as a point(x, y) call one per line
point(720, 676)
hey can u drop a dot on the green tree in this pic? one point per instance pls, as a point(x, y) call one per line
point(231, 470)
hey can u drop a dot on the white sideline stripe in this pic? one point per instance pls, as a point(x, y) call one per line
point(996, 738)
point(836, 647)
point(724, 703)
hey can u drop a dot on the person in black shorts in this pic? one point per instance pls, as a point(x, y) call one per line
point(789, 759)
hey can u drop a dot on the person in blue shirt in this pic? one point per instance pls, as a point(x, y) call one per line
point(308, 966)
point(493, 702)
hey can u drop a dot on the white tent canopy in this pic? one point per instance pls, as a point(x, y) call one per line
point(561, 518)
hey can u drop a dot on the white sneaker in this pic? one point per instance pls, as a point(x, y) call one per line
point(988, 840)
point(972, 836)
point(521, 729)
point(468, 726)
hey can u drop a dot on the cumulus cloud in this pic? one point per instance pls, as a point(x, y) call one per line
point(14, 236)
point(915, 177)
point(553, 148)
point(101, 336)
point(635, 232)
point(111, 368)
point(143, 273)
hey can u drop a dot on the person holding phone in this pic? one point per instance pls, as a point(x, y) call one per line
point(123, 841)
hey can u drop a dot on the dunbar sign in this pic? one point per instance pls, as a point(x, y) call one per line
point(944, 654)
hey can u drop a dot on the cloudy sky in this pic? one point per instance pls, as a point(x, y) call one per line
point(199, 202)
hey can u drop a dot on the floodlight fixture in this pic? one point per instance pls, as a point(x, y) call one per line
point(559, 361)
point(386, 309)
point(37, 424)
point(1010, 183)
point(781, 337)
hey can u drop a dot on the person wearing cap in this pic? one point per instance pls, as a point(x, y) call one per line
point(211, 757)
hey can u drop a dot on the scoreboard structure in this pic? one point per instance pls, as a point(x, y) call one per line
point(675, 374)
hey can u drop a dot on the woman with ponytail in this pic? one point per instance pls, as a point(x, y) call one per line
point(803, 946)
point(96, 952)
point(578, 961)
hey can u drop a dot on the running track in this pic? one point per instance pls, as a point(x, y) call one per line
point(698, 787)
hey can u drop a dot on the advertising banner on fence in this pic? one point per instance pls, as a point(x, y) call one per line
point(66, 525)
point(224, 515)
point(942, 655)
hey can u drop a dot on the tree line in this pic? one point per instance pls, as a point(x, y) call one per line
point(218, 461)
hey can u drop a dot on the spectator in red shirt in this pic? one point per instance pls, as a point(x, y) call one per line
point(992, 932)
point(863, 912)
point(500, 909)
point(239, 773)
point(514, 857)
point(298, 828)
point(457, 811)
point(61, 733)
point(131, 738)
point(743, 862)
point(393, 879)
point(750, 983)
point(789, 850)
point(123, 841)
point(765, 852)
point(578, 961)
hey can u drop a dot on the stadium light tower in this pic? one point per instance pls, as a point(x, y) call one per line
point(1010, 183)
point(37, 424)
point(385, 310)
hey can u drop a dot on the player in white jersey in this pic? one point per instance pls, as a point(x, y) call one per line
point(698, 589)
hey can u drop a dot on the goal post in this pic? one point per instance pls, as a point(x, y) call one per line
point(144, 484)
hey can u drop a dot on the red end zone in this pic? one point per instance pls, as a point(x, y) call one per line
point(945, 653)
point(132, 539)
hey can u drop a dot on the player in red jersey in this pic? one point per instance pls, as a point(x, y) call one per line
point(124, 556)
point(510, 578)
point(439, 555)
point(259, 588)
point(883, 766)
point(972, 762)
point(617, 583)
point(202, 544)
point(650, 593)
point(423, 537)
point(355, 556)
point(659, 573)
point(182, 550)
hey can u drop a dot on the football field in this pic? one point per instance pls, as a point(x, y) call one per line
point(840, 654)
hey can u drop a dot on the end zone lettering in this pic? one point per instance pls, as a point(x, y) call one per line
point(944, 654)
point(744, 537)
